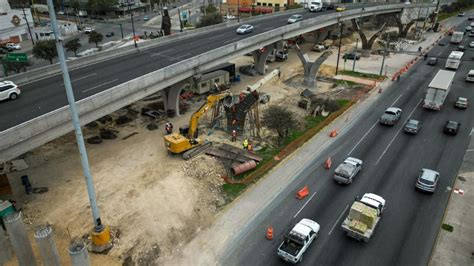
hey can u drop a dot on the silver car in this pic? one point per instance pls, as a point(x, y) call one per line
point(347, 170)
point(246, 28)
point(295, 18)
point(412, 126)
point(427, 180)
point(391, 116)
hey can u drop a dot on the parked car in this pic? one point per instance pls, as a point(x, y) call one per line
point(13, 46)
point(412, 126)
point(451, 127)
point(391, 116)
point(110, 34)
point(471, 34)
point(470, 18)
point(461, 48)
point(432, 61)
point(461, 103)
point(246, 28)
point(295, 18)
point(229, 17)
point(461, 14)
point(427, 180)
point(340, 8)
point(351, 56)
point(319, 48)
point(146, 18)
point(88, 30)
point(8, 90)
point(347, 170)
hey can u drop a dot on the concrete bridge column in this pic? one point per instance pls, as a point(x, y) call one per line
point(260, 58)
point(311, 68)
point(171, 97)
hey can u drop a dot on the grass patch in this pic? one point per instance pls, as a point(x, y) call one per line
point(447, 227)
point(344, 82)
point(296, 138)
point(444, 16)
point(362, 75)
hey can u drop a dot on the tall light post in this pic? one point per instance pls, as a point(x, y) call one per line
point(101, 233)
point(27, 24)
point(238, 11)
point(133, 24)
point(339, 48)
point(355, 54)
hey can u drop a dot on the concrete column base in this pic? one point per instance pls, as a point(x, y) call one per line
point(311, 68)
point(260, 58)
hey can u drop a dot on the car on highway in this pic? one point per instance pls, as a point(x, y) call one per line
point(298, 240)
point(347, 170)
point(146, 18)
point(461, 103)
point(461, 14)
point(351, 56)
point(295, 18)
point(432, 61)
point(471, 45)
point(8, 90)
point(391, 116)
point(246, 28)
point(13, 46)
point(451, 127)
point(470, 18)
point(110, 34)
point(88, 30)
point(471, 34)
point(412, 126)
point(470, 76)
point(461, 48)
point(468, 28)
point(427, 180)
point(340, 8)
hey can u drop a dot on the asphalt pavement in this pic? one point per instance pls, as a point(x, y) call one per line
point(46, 95)
point(392, 160)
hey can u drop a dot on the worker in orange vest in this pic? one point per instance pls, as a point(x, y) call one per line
point(250, 148)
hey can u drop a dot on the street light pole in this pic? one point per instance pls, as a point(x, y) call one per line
point(238, 11)
point(355, 53)
point(121, 29)
point(133, 25)
point(384, 53)
point(27, 24)
point(101, 233)
point(339, 48)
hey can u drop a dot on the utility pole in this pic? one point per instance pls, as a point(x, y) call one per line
point(27, 24)
point(355, 54)
point(339, 48)
point(180, 22)
point(436, 15)
point(384, 53)
point(417, 19)
point(121, 30)
point(101, 233)
point(133, 25)
point(238, 11)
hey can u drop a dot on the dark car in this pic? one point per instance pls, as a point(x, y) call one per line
point(351, 56)
point(412, 126)
point(109, 34)
point(470, 18)
point(432, 61)
point(451, 127)
point(461, 48)
point(461, 14)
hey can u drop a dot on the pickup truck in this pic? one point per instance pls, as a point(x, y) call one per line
point(298, 240)
point(347, 170)
point(363, 217)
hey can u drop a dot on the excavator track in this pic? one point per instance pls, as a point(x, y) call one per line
point(196, 150)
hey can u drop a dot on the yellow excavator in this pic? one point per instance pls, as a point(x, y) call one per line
point(188, 139)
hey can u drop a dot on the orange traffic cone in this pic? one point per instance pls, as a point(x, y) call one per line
point(270, 233)
point(328, 163)
point(302, 193)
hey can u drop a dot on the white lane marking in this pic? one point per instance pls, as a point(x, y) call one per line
point(304, 205)
point(84, 77)
point(470, 150)
point(394, 137)
point(231, 40)
point(184, 55)
point(161, 52)
point(396, 100)
point(365, 135)
point(95, 87)
point(339, 218)
point(472, 130)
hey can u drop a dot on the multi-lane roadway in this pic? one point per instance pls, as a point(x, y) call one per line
point(392, 161)
point(48, 94)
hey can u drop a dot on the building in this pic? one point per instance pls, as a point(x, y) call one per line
point(13, 27)
point(253, 6)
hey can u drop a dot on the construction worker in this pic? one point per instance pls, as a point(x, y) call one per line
point(245, 144)
point(250, 148)
point(234, 135)
point(168, 128)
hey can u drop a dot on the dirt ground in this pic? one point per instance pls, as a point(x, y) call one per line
point(155, 203)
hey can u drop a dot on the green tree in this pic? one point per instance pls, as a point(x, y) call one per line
point(45, 50)
point(279, 119)
point(16, 67)
point(95, 37)
point(73, 45)
point(212, 17)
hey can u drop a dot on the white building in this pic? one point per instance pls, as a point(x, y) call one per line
point(13, 26)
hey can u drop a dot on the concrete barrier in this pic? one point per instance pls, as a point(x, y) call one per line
point(36, 132)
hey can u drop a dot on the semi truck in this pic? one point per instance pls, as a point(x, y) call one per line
point(438, 90)
point(298, 240)
point(457, 37)
point(363, 217)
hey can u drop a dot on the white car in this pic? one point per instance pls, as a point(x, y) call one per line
point(13, 46)
point(295, 18)
point(88, 30)
point(246, 28)
point(468, 28)
point(8, 90)
point(347, 170)
point(471, 44)
point(229, 17)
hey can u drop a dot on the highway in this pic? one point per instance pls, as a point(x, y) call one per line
point(392, 160)
point(46, 95)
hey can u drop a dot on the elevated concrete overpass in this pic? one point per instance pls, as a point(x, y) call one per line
point(128, 75)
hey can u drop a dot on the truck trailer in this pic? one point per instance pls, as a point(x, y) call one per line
point(438, 90)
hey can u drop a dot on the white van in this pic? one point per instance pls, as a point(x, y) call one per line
point(470, 76)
